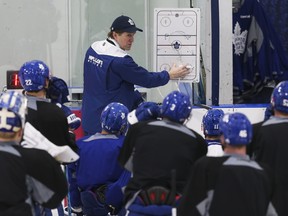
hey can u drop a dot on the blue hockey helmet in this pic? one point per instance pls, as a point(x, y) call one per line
point(145, 111)
point(58, 91)
point(114, 118)
point(13, 108)
point(33, 75)
point(211, 121)
point(176, 106)
point(279, 98)
point(236, 129)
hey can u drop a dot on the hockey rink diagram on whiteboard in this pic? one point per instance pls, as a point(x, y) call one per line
point(177, 40)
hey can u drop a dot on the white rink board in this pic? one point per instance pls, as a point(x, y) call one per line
point(254, 114)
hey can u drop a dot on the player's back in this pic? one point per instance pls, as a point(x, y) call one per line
point(24, 170)
point(162, 146)
point(50, 120)
point(272, 149)
point(98, 163)
point(227, 185)
point(243, 187)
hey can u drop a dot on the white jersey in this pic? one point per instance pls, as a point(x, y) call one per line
point(214, 148)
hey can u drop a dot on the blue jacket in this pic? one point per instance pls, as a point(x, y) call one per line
point(109, 76)
point(98, 163)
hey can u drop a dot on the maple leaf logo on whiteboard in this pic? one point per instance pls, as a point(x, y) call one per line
point(239, 39)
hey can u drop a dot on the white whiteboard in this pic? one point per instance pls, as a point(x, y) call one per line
point(177, 33)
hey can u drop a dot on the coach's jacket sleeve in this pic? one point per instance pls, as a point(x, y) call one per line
point(132, 73)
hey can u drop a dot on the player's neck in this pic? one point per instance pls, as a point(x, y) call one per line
point(241, 150)
point(280, 114)
point(104, 132)
point(39, 94)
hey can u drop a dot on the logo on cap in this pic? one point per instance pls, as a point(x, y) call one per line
point(131, 22)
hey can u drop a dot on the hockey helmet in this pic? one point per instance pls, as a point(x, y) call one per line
point(236, 129)
point(13, 108)
point(210, 122)
point(33, 75)
point(176, 106)
point(145, 111)
point(279, 98)
point(58, 91)
point(114, 118)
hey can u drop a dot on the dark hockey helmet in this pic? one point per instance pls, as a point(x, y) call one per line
point(33, 75)
point(58, 91)
point(114, 118)
point(236, 129)
point(145, 111)
point(13, 108)
point(176, 106)
point(279, 98)
point(210, 122)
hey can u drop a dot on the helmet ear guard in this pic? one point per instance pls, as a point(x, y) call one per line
point(33, 75)
point(13, 108)
point(114, 118)
point(176, 106)
point(236, 129)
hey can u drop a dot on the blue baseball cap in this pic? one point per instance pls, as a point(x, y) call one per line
point(124, 24)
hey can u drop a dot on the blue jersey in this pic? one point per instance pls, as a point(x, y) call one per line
point(109, 76)
point(258, 56)
point(98, 163)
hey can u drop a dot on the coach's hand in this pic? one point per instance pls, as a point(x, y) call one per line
point(178, 72)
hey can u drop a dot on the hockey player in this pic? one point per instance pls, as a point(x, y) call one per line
point(99, 176)
point(232, 184)
point(254, 146)
point(27, 175)
point(210, 127)
point(58, 93)
point(43, 115)
point(269, 145)
point(160, 153)
point(46, 117)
